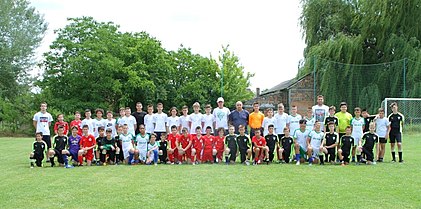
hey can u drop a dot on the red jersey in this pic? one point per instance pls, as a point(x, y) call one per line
point(208, 142)
point(64, 124)
point(197, 143)
point(173, 140)
point(185, 140)
point(77, 124)
point(259, 142)
point(219, 142)
point(87, 141)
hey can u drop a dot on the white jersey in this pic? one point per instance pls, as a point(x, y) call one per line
point(301, 138)
point(382, 124)
point(110, 124)
point(221, 117)
point(266, 122)
point(184, 121)
point(43, 120)
point(310, 124)
point(142, 142)
point(131, 123)
point(126, 141)
point(280, 122)
point(357, 128)
point(91, 125)
point(173, 121)
point(207, 121)
point(196, 120)
point(98, 123)
point(320, 113)
point(294, 122)
point(160, 120)
point(149, 127)
point(121, 121)
point(316, 139)
point(153, 146)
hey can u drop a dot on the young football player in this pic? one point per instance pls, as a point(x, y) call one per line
point(346, 143)
point(286, 141)
point(173, 140)
point(149, 125)
point(39, 147)
point(208, 119)
point(87, 145)
point(130, 120)
point(244, 145)
point(163, 148)
point(160, 122)
point(99, 122)
point(119, 157)
point(208, 146)
point(89, 122)
point(185, 146)
point(272, 142)
point(60, 151)
point(42, 121)
point(310, 120)
point(184, 119)
point(396, 120)
point(61, 122)
point(141, 141)
point(77, 123)
point(153, 150)
point(300, 142)
point(267, 121)
point(110, 123)
point(255, 119)
point(127, 143)
point(315, 146)
point(173, 120)
point(230, 146)
point(197, 145)
point(74, 147)
point(281, 119)
point(219, 145)
point(332, 118)
point(382, 125)
point(99, 139)
point(260, 148)
point(294, 119)
point(367, 143)
point(195, 119)
point(108, 147)
point(357, 124)
point(330, 143)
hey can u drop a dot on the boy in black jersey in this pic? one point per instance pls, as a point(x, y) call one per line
point(346, 143)
point(230, 146)
point(330, 143)
point(99, 140)
point(39, 147)
point(396, 120)
point(59, 151)
point(108, 147)
point(272, 142)
point(286, 141)
point(119, 157)
point(367, 143)
point(244, 145)
point(367, 119)
point(331, 118)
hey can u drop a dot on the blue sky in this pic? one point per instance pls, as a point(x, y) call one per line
point(265, 35)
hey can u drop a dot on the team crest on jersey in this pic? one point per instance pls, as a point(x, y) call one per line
point(245, 140)
point(374, 138)
point(399, 118)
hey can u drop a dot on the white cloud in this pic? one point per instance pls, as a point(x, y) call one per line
point(265, 34)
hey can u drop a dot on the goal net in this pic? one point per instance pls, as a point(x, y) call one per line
point(409, 107)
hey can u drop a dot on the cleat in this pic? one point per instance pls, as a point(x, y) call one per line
point(69, 166)
point(400, 161)
point(297, 163)
point(393, 161)
point(310, 164)
point(247, 162)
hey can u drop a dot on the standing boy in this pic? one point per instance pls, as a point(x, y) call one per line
point(396, 120)
point(310, 120)
point(110, 123)
point(281, 119)
point(267, 121)
point(208, 119)
point(130, 121)
point(77, 123)
point(139, 115)
point(160, 122)
point(88, 121)
point(332, 118)
point(99, 122)
point(255, 119)
point(320, 111)
point(357, 124)
point(382, 125)
point(195, 119)
point(61, 122)
point(184, 119)
point(42, 121)
point(294, 119)
point(148, 120)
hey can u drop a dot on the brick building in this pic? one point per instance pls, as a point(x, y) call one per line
point(299, 92)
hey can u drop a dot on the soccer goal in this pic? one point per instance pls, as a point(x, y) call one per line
point(409, 107)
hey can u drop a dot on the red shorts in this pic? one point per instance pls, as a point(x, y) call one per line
point(219, 153)
point(207, 155)
point(186, 155)
point(89, 155)
point(257, 155)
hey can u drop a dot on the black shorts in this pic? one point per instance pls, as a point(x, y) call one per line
point(38, 158)
point(369, 156)
point(47, 140)
point(59, 156)
point(382, 140)
point(346, 156)
point(243, 155)
point(395, 137)
point(233, 153)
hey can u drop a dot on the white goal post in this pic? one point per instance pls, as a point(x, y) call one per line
point(409, 107)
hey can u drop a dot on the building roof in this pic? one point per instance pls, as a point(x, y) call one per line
point(283, 85)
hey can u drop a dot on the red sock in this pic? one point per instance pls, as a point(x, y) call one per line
point(80, 158)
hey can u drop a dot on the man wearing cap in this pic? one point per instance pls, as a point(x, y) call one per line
point(238, 117)
point(221, 114)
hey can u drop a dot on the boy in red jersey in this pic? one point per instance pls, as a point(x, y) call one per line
point(219, 145)
point(259, 147)
point(197, 146)
point(87, 145)
point(76, 123)
point(184, 146)
point(61, 122)
point(173, 139)
point(208, 146)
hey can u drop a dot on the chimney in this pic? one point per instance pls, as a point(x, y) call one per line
point(257, 92)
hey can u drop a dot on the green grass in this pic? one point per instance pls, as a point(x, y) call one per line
point(384, 185)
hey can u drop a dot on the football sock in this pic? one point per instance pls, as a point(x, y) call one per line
point(130, 158)
point(65, 159)
point(226, 159)
point(80, 159)
point(52, 161)
point(214, 158)
point(297, 157)
point(358, 158)
point(393, 156)
point(321, 159)
point(353, 158)
point(400, 155)
point(310, 160)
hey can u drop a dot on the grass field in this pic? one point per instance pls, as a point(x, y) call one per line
point(384, 185)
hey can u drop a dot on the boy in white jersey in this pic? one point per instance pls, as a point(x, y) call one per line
point(98, 121)
point(268, 120)
point(315, 146)
point(184, 119)
point(88, 121)
point(127, 144)
point(141, 141)
point(208, 119)
point(149, 126)
point(300, 142)
point(173, 120)
point(281, 119)
point(160, 120)
point(120, 119)
point(294, 119)
point(195, 119)
point(310, 120)
point(382, 125)
point(357, 124)
point(110, 123)
point(130, 120)
point(153, 150)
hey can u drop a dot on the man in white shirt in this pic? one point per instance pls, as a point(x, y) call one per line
point(42, 121)
point(221, 114)
point(320, 111)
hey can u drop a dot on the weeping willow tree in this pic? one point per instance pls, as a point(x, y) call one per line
point(363, 50)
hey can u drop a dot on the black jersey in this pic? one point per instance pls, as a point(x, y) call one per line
point(346, 143)
point(99, 140)
point(60, 142)
point(329, 119)
point(140, 117)
point(271, 140)
point(396, 122)
point(369, 139)
point(367, 122)
point(107, 143)
point(331, 138)
point(39, 147)
point(243, 142)
point(230, 141)
point(286, 142)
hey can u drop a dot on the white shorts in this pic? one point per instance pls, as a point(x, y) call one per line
point(126, 151)
point(357, 138)
point(316, 152)
point(142, 155)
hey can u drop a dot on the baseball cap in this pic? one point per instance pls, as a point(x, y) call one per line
point(220, 99)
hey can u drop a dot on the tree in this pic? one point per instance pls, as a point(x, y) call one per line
point(21, 31)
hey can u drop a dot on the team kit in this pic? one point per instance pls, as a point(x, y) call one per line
point(222, 136)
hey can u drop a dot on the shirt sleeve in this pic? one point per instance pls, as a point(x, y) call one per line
point(35, 118)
